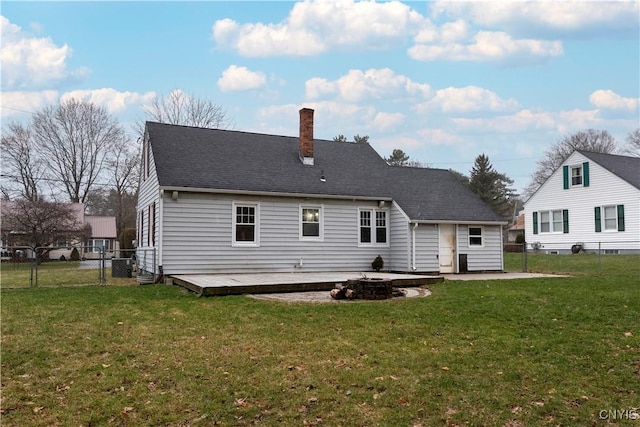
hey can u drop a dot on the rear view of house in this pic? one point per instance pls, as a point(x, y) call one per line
point(219, 201)
point(590, 203)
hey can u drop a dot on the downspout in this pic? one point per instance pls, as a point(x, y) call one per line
point(413, 249)
point(160, 216)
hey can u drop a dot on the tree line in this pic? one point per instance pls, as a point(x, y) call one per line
point(76, 152)
point(495, 188)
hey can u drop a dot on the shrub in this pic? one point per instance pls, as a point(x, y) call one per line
point(520, 238)
point(75, 255)
point(377, 263)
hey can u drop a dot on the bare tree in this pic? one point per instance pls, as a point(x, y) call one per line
point(599, 141)
point(75, 138)
point(632, 147)
point(21, 163)
point(124, 164)
point(179, 108)
point(40, 224)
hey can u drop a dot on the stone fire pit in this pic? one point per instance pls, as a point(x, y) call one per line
point(366, 288)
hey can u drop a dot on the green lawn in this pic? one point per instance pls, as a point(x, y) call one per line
point(551, 351)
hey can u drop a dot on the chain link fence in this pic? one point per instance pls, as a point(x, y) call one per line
point(593, 257)
point(27, 267)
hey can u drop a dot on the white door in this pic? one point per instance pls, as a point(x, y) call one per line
point(447, 254)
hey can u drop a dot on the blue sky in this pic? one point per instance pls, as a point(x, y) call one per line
point(443, 81)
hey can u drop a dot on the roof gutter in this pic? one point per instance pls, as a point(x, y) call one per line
point(435, 221)
point(272, 193)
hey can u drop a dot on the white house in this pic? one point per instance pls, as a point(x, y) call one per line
point(592, 201)
point(220, 201)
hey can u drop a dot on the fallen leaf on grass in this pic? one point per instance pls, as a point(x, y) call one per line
point(628, 334)
point(445, 368)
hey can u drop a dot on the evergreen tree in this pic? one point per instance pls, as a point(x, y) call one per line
point(492, 187)
point(398, 158)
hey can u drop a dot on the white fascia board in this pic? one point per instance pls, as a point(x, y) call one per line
point(272, 194)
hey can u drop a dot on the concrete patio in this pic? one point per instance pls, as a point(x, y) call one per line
point(260, 283)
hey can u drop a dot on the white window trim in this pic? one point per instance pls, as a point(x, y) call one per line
point(603, 219)
point(482, 236)
point(571, 168)
point(256, 231)
point(552, 230)
point(320, 237)
point(373, 228)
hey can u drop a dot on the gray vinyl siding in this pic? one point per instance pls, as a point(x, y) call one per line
point(400, 239)
point(488, 257)
point(197, 236)
point(148, 195)
point(427, 248)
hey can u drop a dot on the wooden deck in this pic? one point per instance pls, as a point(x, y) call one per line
point(238, 284)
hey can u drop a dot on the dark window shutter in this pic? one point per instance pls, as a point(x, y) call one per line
point(565, 177)
point(598, 222)
point(620, 217)
point(565, 220)
point(535, 223)
point(585, 174)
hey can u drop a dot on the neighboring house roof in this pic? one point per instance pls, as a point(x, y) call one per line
point(625, 167)
point(102, 226)
point(224, 160)
point(519, 225)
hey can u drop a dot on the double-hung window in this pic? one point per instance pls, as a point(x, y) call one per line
point(475, 236)
point(373, 227)
point(609, 218)
point(311, 223)
point(555, 221)
point(576, 175)
point(245, 224)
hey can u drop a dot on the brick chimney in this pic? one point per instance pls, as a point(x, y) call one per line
point(306, 136)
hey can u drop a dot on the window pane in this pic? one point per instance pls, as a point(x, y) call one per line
point(576, 176)
point(381, 219)
point(475, 241)
point(610, 218)
point(311, 229)
point(245, 233)
point(381, 235)
point(557, 220)
point(365, 218)
point(544, 222)
point(475, 231)
point(365, 234)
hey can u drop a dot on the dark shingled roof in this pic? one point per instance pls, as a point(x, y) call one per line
point(201, 158)
point(627, 168)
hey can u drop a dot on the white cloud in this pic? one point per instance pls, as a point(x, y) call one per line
point(237, 78)
point(32, 62)
point(608, 99)
point(17, 103)
point(526, 120)
point(466, 99)
point(376, 84)
point(387, 121)
point(433, 136)
point(313, 27)
point(113, 100)
point(489, 46)
point(539, 18)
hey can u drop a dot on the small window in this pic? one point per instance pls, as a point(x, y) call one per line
point(610, 218)
point(381, 227)
point(365, 226)
point(576, 175)
point(98, 245)
point(245, 224)
point(545, 224)
point(475, 236)
point(310, 223)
